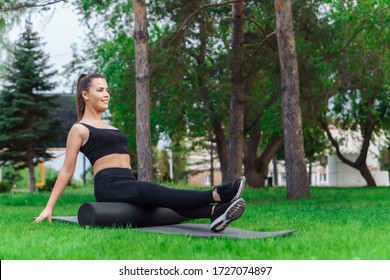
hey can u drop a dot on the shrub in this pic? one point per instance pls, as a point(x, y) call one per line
point(49, 185)
point(9, 178)
point(5, 186)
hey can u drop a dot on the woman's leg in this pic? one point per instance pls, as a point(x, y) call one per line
point(120, 185)
point(148, 193)
point(197, 213)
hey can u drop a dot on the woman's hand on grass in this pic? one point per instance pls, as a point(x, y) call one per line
point(45, 215)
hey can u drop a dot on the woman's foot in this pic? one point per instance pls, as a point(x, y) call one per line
point(231, 191)
point(225, 213)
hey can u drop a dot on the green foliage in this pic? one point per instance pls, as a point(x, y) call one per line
point(384, 159)
point(179, 162)
point(358, 60)
point(5, 186)
point(26, 126)
point(49, 185)
point(8, 180)
point(117, 13)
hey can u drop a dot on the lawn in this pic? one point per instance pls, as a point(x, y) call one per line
point(336, 223)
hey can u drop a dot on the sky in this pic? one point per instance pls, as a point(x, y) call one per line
point(60, 28)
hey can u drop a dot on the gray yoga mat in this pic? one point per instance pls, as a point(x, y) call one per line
point(199, 230)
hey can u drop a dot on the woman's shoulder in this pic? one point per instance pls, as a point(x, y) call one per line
point(78, 129)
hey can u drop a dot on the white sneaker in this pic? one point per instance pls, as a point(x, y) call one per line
point(234, 211)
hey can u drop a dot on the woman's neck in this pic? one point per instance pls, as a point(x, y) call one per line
point(93, 116)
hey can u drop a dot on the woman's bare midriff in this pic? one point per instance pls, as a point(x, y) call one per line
point(112, 161)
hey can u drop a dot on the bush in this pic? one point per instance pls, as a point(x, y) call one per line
point(9, 178)
point(49, 185)
point(5, 186)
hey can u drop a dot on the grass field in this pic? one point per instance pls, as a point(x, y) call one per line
point(336, 223)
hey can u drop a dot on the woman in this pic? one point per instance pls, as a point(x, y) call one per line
point(106, 148)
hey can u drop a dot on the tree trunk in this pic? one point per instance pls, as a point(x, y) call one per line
point(204, 94)
point(276, 173)
point(30, 166)
point(221, 147)
point(252, 175)
point(363, 169)
point(296, 174)
point(236, 142)
point(211, 163)
point(31, 177)
point(256, 168)
point(144, 143)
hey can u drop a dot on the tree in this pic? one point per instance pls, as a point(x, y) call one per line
point(296, 174)
point(190, 53)
point(202, 56)
point(17, 5)
point(26, 126)
point(144, 142)
point(190, 56)
point(356, 63)
point(236, 142)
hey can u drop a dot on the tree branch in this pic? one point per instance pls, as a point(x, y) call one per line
point(258, 25)
point(259, 46)
point(269, 152)
point(259, 115)
point(366, 133)
point(358, 29)
point(336, 145)
point(189, 20)
point(30, 4)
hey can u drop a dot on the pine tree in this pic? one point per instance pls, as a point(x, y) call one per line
point(27, 127)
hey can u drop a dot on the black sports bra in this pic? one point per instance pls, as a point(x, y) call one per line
point(103, 142)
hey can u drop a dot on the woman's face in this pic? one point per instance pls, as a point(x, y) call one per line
point(98, 95)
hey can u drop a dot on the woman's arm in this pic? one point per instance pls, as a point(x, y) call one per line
point(76, 136)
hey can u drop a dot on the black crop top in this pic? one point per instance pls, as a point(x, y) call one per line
point(103, 142)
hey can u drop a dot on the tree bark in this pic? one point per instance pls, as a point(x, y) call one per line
point(30, 166)
point(252, 175)
point(144, 143)
point(296, 174)
point(236, 143)
point(363, 169)
point(276, 173)
point(257, 167)
point(221, 146)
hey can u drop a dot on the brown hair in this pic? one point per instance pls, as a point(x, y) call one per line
point(83, 84)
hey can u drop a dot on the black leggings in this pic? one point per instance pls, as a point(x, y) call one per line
point(120, 185)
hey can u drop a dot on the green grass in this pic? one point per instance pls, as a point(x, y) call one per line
point(336, 223)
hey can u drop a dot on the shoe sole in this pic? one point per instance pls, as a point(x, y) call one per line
point(235, 211)
point(240, 188)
